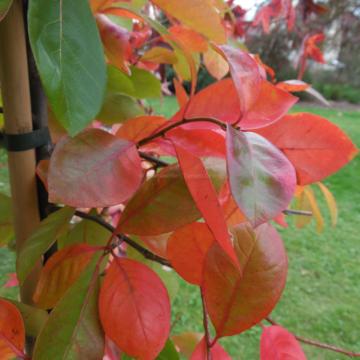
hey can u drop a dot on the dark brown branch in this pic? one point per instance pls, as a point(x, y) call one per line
point(163, 131)
point(122, 237)
point(153, 159)
point(297, 212)
point(319, 344)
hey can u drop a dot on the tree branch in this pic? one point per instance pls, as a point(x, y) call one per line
point(163, 131)
point(297, 212)
point(319, 344)
point(122, 237)
point(153, 159)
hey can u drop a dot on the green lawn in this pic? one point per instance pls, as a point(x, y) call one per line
point(322, 297)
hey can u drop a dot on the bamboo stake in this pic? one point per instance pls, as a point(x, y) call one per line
point(14, 80)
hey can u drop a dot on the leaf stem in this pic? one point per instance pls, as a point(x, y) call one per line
point(319, 344)
point(206, 327)
point(122, 237)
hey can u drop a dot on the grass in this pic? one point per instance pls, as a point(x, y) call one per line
point(322, 296)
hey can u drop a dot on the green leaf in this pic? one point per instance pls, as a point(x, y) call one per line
point(69, 56)
point(118, 108)
point(73, 330)
point(34, 319)
point(6, 223)
point(145, 83)
point(41, 240)
point(140, 84)
point(85, 232)
point(4, 7)
point(168, 352)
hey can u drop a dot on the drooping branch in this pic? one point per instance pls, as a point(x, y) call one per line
point(122, 237)
point(319, 344)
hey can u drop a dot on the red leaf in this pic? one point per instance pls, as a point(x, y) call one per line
point(293, 85)
point(116, 42)
point(278, 344)
point(216, 351)
point(60, 272)
point(94, 169)
point(187, 248)
point(316, 147)
point(162, 204)
point(237, 299)
point(262, 180)
point(205, 197)
point(12, 331)
point(272, 103)
point(135, 309)
point(140, 127)
point(220, 101)
point(245, 74)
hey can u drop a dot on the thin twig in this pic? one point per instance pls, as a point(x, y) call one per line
point(319, 344)
point(297, 212)
point(153, 159)
point(206, 327)
point(122, 237)
point(163, 131)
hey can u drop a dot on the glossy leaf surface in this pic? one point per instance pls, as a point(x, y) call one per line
point(134, 309)
point(187, 248)
point(69, 58)
point(12, 331)
point(59, 273)
point(262, 180)
point(162, 204)
point(70, 339)
point(41, 240)
point(94, 169)
point(279, 344)
point(237, 299)
point(305, 138)
point(200, 15)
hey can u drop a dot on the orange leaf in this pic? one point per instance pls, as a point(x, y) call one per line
point(140, 127)
point(187, 248)
point(181, 95)
point(237, 299)
point(186, 342)
point(188, 38)
point(159, 55)
point(314, 208)
point(199, 15)
point(12, 331)
point(60, 272)
point(331, 202)
point(316, 147)
point(215, 64)
point(135, 309)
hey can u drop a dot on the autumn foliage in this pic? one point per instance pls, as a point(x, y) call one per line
point(137, 195)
